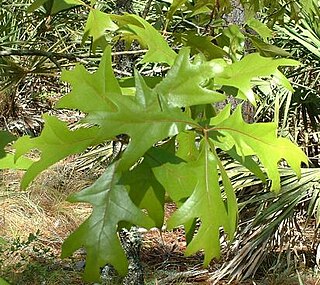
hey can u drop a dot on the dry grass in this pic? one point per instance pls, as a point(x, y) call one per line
point(43, 208)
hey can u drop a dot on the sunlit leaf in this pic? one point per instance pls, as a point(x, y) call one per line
point(146, 118)
point(259, 139)
point(147, 35)
point(264, 32)
point(97, 23)
point(55, 143)
point(9, 162)
point(185, 83)
point(239, 74)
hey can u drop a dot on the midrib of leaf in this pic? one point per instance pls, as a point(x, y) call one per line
point(207, 171)
point(152, 119)
point(105, 212)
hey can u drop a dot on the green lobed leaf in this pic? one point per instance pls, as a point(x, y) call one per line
point(55, 143)
point(98, 234)
point(158, 48)
point(92, 91)
point(264, 32)
point(54, 6)
point(97, 23)
point(9, 162)
point(259, 139)
point(185, 83)
point(239, 74)
point(176, 4)
point(207, 204)
point(146, 118)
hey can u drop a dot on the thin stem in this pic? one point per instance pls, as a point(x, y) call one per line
point(146, 9)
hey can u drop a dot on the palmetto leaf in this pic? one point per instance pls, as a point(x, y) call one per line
point(266, 220)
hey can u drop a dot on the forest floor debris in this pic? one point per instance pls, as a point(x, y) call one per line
point(34, 223)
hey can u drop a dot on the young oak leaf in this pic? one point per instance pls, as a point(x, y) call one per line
point(145, 117)
point(54, 6)
point(175, 5)
point(7, 159)
point(158, 48)
point(239, 74)
point(207, 204)
point(92, 91)
point(98, 234)
point(185, 82)
point(9, 162)
point(97, 23)
point(55, 143)
point(258, 139)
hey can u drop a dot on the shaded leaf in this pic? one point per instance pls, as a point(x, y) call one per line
point(53, 6)
point(206, 203)
point(98, 234)
point(266, 49)
point(202, 44)
point(5, 138)
point(187, 146)
point(176, 4)
point(145, 190)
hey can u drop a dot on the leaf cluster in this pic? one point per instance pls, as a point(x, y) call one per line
point(174, 133)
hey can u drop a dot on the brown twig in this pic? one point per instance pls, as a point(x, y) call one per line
point(146, 9)
point(57, 55)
